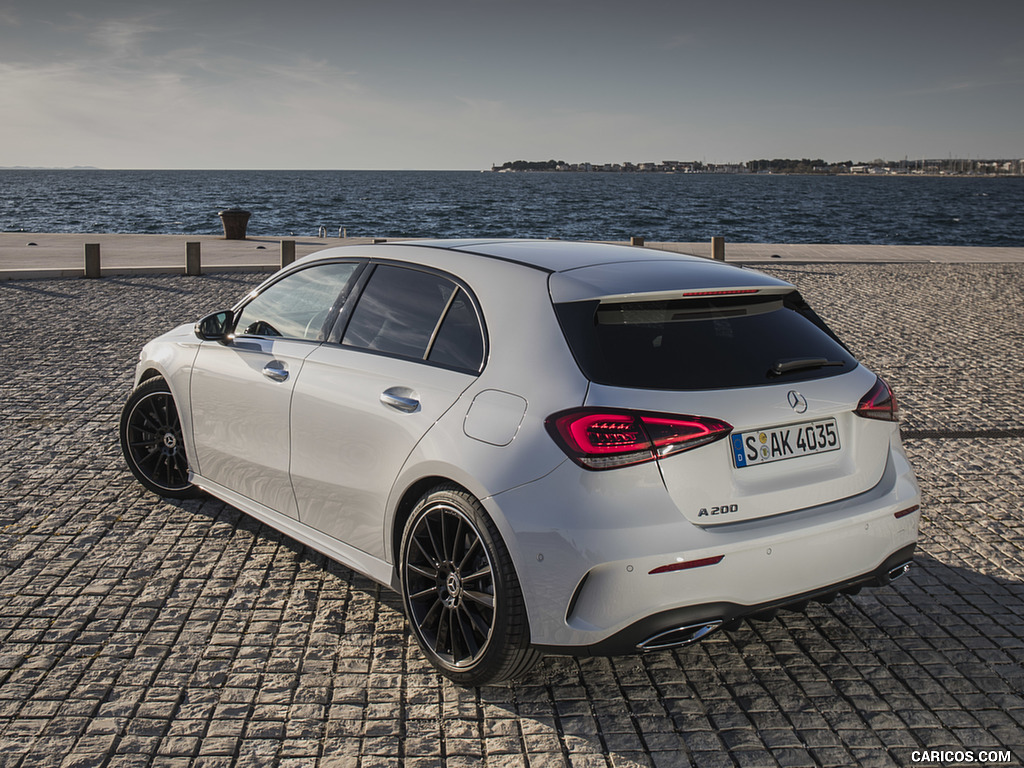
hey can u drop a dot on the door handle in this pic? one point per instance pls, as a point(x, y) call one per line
point(401, 399)
point(275, 374)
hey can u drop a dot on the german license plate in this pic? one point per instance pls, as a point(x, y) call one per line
point(763, 446)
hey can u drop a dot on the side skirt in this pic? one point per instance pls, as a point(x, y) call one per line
point(374, 568)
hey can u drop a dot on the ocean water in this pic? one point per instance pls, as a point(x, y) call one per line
point(596, 206)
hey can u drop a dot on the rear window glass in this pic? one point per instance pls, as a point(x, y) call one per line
point(703, 343)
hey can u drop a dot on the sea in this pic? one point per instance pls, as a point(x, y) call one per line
point(879, 210)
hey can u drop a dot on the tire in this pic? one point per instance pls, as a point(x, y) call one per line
point(152, 441)
point(460, 591)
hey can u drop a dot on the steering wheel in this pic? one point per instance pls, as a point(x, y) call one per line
point(315, 322)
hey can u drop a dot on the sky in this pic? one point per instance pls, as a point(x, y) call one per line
point(464, 84)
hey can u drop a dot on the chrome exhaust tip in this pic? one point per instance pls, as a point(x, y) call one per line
point(673, 638)
point(899, 570)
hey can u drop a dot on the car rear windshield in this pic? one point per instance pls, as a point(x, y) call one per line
point(702, 343)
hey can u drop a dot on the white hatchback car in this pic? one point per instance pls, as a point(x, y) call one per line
point(545, 446)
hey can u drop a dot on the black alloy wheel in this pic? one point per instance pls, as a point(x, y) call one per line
point(460, 591)
point(152, 440)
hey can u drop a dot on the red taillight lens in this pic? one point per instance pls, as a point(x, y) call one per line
point(879, 403)
point(598, 438)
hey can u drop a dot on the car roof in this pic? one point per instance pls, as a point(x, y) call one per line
point(590, 270)
point(585, 270)
point(551, 255)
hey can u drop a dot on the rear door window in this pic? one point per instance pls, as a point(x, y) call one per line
point(419, 315)
point(702, 343)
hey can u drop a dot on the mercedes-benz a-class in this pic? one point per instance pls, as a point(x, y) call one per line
point(544, 446)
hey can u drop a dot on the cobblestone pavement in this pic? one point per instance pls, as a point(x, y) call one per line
point(137, 632)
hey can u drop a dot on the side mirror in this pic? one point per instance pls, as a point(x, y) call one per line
point(216, 327)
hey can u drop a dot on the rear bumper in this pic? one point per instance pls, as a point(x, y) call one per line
point(596, 554)
point(682, 626)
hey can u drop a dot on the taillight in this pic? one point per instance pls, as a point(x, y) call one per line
point(879, 403)
point(601, 438)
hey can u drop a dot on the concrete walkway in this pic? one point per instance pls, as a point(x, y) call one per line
point(39, 255)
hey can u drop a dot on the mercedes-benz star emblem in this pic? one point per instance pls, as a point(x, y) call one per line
point(797, 401)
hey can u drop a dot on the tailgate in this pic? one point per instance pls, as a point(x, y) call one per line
point(820, 454)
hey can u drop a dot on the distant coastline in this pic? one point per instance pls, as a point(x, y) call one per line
point(803, 167)
point(946, 168)
point(48, 168)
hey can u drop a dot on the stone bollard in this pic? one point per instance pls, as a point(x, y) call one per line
point(718, 248)
point(193, 259)
point(92, 260)
point(234, 221)
point(636, 241)
point(287, 252)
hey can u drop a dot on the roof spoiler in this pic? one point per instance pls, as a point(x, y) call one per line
point(660, 280)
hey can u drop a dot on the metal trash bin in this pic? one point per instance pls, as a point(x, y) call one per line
point(234, 221)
